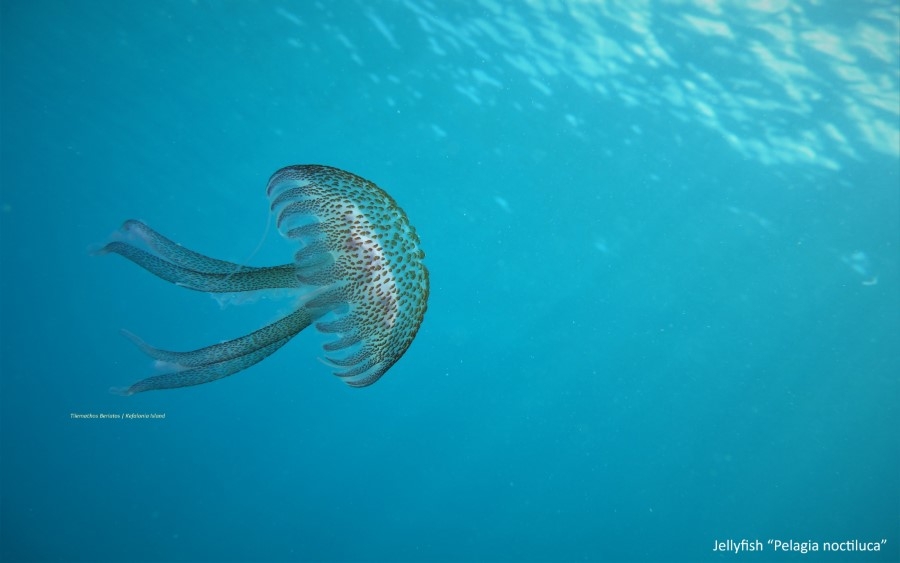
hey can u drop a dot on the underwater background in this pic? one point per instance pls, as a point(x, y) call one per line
point(663, 245)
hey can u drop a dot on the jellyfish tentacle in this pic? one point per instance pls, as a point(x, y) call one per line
point(287, 326)
point(344, 341)
point(220, 360)
point(364, 381)
point(275, 277)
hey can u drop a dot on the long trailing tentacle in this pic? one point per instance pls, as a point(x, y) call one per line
point(220, 360)
point(283, 276)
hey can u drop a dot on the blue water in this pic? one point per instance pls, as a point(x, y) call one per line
point(663, 244)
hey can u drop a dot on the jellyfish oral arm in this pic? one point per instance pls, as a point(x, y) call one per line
point(200, 374)
point(219, 360)
point(186, 268)
point(238, 280)
point(287, 326)
point(175, 253)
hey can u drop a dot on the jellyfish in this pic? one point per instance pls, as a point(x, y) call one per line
point(359, 268)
